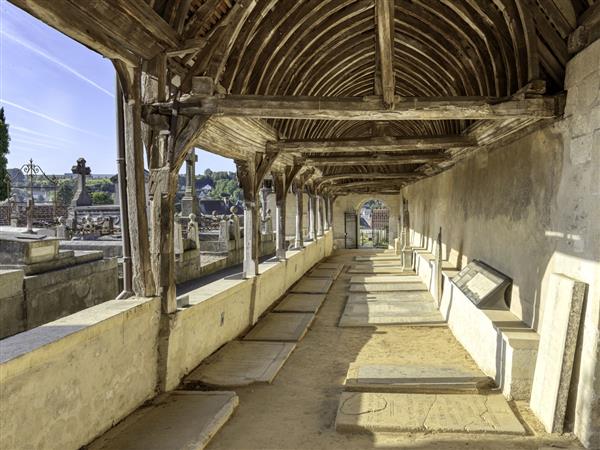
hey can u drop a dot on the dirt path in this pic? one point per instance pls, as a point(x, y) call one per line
point(298, 410)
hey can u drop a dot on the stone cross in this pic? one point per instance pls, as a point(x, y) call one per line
point(81, 197)
point(189, 201)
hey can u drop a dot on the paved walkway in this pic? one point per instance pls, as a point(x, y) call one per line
point(298, 410)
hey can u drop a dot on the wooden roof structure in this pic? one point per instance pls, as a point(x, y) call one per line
point(357, 89)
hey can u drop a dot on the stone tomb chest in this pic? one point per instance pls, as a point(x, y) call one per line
point(484, 286)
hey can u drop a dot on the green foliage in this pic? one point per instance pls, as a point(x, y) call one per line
point(65, 191)
point(101, 198)
point(4, 143)
point(226, 186)
point(100, 185)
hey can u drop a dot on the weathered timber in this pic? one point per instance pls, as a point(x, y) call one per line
point(366, 108)
point(374, 144)
point(377, 159)
point(384, 16)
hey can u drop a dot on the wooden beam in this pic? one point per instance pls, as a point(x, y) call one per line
point(365, 108)
point(375, 144)
point(588, 29)
point(384, 16)
point(411, 158)
point(375, 184)
point(367, 176)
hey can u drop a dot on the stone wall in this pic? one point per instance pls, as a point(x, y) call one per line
point(42, 213)
point(353, 203)
point(102, 363)
point(529, 208)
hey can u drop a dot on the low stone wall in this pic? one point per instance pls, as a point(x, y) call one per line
point(66, 382)
point(48, 296)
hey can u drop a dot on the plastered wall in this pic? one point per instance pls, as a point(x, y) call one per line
point(531, 208)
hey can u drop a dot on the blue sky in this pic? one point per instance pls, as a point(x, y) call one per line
point(58, 98)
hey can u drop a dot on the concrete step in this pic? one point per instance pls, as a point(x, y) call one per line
point(182, 420)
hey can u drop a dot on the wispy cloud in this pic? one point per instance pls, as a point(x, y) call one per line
point(51, 119)
point(28, 131)
point(36, 143)
point(56, 61)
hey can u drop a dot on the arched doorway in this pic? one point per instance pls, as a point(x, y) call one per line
point(374, 224)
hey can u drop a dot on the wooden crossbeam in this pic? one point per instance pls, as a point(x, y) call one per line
point(375, 184)
point(364, 108)
point(384, 16)
point(410, 158)
point(325, 179)
point(375, 144)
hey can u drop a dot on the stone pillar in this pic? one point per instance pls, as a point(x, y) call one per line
point(189, 201)
point(319, 215)
point(264, 193)
point(178, 236)
point(250, 265)
point(299, 238)
point(330, 211)
point(280, 237)
point(312, 218)
point(326, 213)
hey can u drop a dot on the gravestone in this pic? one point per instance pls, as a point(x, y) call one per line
point(189, 201)
point(193, 232)
point(81, 197)
point(178, 236)
point(286, 327)
point(556, 351)
point(484, 286)
point(16, 250)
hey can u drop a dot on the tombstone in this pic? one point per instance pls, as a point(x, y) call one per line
point(14, 211)
point(189, 201)
point(178, 235)
point(81, 197)
point(193, 232)
point(224, 235)
point(235, 223)
point(267, 223)
point(62, 232)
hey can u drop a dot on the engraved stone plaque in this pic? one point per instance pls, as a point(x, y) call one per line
point(483, 285)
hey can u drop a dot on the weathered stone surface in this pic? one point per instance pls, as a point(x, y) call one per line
point(376, 279)
point(403, 378)
point(19, 251)
point(370, 269)
point(378, 258)
point(180, 420)
point(393, 412)
point(290, 327)
point(312, 285)
point(556, 352)
point(388, 287)
point(240, 363)
point(330, 265)
point(12, 311)
point(309, 303)
point(324, 273)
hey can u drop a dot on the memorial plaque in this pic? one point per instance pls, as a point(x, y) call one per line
point(483, 285)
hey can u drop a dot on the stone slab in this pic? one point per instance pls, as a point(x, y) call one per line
point(324, 273)
point(556, 351)
point(309, 285)
point(388, 287)
point(377, 279)
point(368, 269)
point(16, 250)
point(286, 327)
point(306, 303)
point(331, 265)
point(180, 420)
point(363, 310)
point(377, 258)
point(406, 378)
point(400, 412)
point(240, 363)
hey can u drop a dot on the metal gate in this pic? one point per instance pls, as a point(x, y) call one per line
point(350, 230)
point(380, 219)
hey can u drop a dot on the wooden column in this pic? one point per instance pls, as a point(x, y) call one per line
point(279, 182)
point(319, 215)
point(142, 279)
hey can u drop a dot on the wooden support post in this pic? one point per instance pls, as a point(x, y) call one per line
point(326, 213)
point(280, 183)
point(312, 220)
point(299, 238)
point(142, 279)
point(319, 215)
point(250, 264)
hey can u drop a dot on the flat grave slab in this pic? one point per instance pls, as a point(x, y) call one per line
point(363, 310)
point(306, 303)
point(286, 327)
point(308, 285)
point(330, 265)
point(179, 420)
point(399, 412)
point(383, 279)
point(377, 258)
point(368, 269)
point(556, 351)
point(388, 287)
point(324, 273)
point(240, 363)
point(403, 378)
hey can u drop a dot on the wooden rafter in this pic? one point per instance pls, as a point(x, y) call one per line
point(373, 160)
point(384, 16)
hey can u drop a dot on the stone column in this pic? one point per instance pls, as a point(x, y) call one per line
point(250, 266)
point(280, 237)
point(312, 218)
point(299, 239)
point(189, 201)
point(319, 215)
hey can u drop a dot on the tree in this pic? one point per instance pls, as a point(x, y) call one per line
point(101, 198)
point(65, 191)
point(4, 141)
